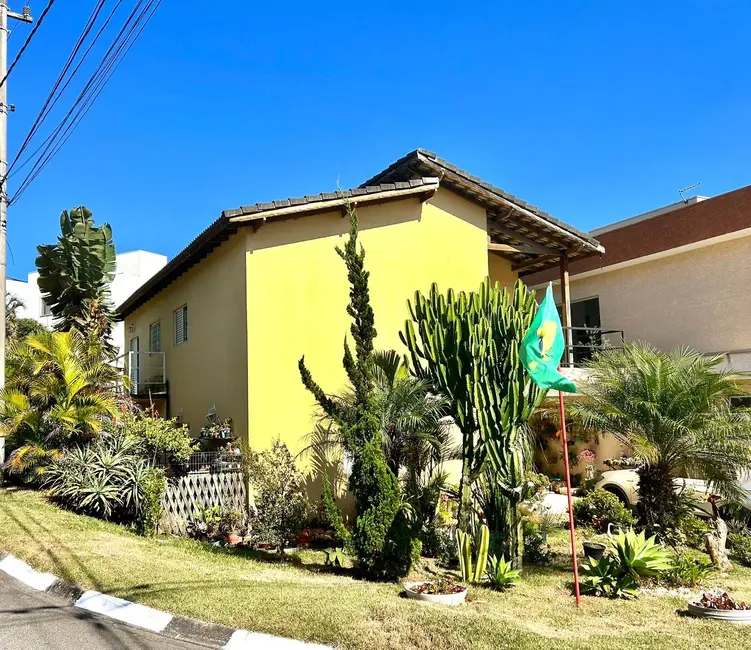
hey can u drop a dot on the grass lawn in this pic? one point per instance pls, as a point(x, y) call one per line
point(297, 598)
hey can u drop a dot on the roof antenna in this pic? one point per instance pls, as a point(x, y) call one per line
point(686, 189)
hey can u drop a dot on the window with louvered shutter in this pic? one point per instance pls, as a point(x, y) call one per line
point(181, 325)
point(155, 337)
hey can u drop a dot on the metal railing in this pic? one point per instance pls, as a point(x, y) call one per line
point(147, 372)
point(583, 342)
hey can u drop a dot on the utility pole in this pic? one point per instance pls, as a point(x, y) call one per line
point(5, 108)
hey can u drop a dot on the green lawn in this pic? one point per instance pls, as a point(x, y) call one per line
point(299, 599)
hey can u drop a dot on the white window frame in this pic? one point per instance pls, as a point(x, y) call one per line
point(158, 324)
point(45, 308)
point(182, 311)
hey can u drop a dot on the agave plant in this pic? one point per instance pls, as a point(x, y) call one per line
point(640, 556)
point(607, 578)
point(501, 574)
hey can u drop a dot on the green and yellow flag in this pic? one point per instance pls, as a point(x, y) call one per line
point(543, 346)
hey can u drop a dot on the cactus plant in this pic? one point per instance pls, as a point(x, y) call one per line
point(473, 571)
point(467, 344)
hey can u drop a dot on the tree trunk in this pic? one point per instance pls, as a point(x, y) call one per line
point(512, 541)
point(465, 484)
point(716, 542)
point(658, 503)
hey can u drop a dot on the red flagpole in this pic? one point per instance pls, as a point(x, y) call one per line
point(568, 494)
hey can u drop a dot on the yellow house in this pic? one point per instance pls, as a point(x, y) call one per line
point(225, 322)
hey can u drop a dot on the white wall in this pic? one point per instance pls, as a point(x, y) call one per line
point(133, 269)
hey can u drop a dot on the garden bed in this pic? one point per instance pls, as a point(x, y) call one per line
point(296, 597)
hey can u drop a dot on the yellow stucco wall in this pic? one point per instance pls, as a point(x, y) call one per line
point(210, 367)
point(499, 270)
point(297, 293)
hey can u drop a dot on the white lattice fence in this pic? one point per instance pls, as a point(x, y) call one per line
point(223, 489)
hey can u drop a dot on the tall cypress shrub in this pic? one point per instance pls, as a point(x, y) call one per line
point(383, 538)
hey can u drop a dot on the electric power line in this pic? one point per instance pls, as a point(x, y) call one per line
point(139, 17)
point(37, 25)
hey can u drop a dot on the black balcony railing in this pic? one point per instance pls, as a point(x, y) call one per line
point(582, 343)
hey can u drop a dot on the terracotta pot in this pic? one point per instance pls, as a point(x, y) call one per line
point(233, 538)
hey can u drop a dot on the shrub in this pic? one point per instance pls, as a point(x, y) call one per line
point(536, 550)
point(383, 538)
point(281, 509)
point(206, 523)
point(500, 573)
point(740, 545)
point(692, 530)
point(152, 486)
point(601, 508)
point(104, 479)
point(438, 542)
point(688, 571)
point(607, 578)
point(163, 441)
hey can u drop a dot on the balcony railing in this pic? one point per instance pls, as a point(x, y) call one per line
point(583, 342)
point(147, 372)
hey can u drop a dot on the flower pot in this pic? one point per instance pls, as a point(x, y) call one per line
point(739, 617)
point(594, 550)
point(232, 538)
point(452, 600)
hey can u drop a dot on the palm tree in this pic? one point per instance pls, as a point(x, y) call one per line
point(672, 410)
point(414, 433)
point(58, 393)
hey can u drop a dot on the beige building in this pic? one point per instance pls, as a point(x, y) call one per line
point(676, 276)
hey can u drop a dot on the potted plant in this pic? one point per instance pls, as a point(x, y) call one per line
point(718, 605)
point(443, 591)
point(593, 550)
point(231, 525)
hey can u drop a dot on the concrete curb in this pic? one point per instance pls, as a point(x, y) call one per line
point(211, 635)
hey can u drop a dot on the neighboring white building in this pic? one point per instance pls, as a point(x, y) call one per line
point(133, 269)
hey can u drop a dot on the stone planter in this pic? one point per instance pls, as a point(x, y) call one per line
point(451, 600)
point(737, 616)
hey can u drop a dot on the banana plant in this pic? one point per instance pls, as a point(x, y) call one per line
point(473, 572)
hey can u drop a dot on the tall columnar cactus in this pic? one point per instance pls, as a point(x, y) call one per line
point(473, 571)
point(468, 346)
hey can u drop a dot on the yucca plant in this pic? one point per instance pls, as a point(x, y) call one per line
point(640, 556)
point(501, 574)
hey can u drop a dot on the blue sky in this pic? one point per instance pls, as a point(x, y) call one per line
point(594, 111)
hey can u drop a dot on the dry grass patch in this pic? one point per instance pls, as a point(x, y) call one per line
point(298, 598)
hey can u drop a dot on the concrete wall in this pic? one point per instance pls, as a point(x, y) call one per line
point(210, 368)
point(699, 298)
point(298, 293)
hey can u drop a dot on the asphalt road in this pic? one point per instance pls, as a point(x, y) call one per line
point(35, 620)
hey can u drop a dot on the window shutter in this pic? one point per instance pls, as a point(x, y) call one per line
point(181, 325)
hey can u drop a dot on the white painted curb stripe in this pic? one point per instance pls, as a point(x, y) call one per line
point(125, 611)
point(23, 572)
point(244, 640)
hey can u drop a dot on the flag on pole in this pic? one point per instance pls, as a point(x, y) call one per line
point(543, 346)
